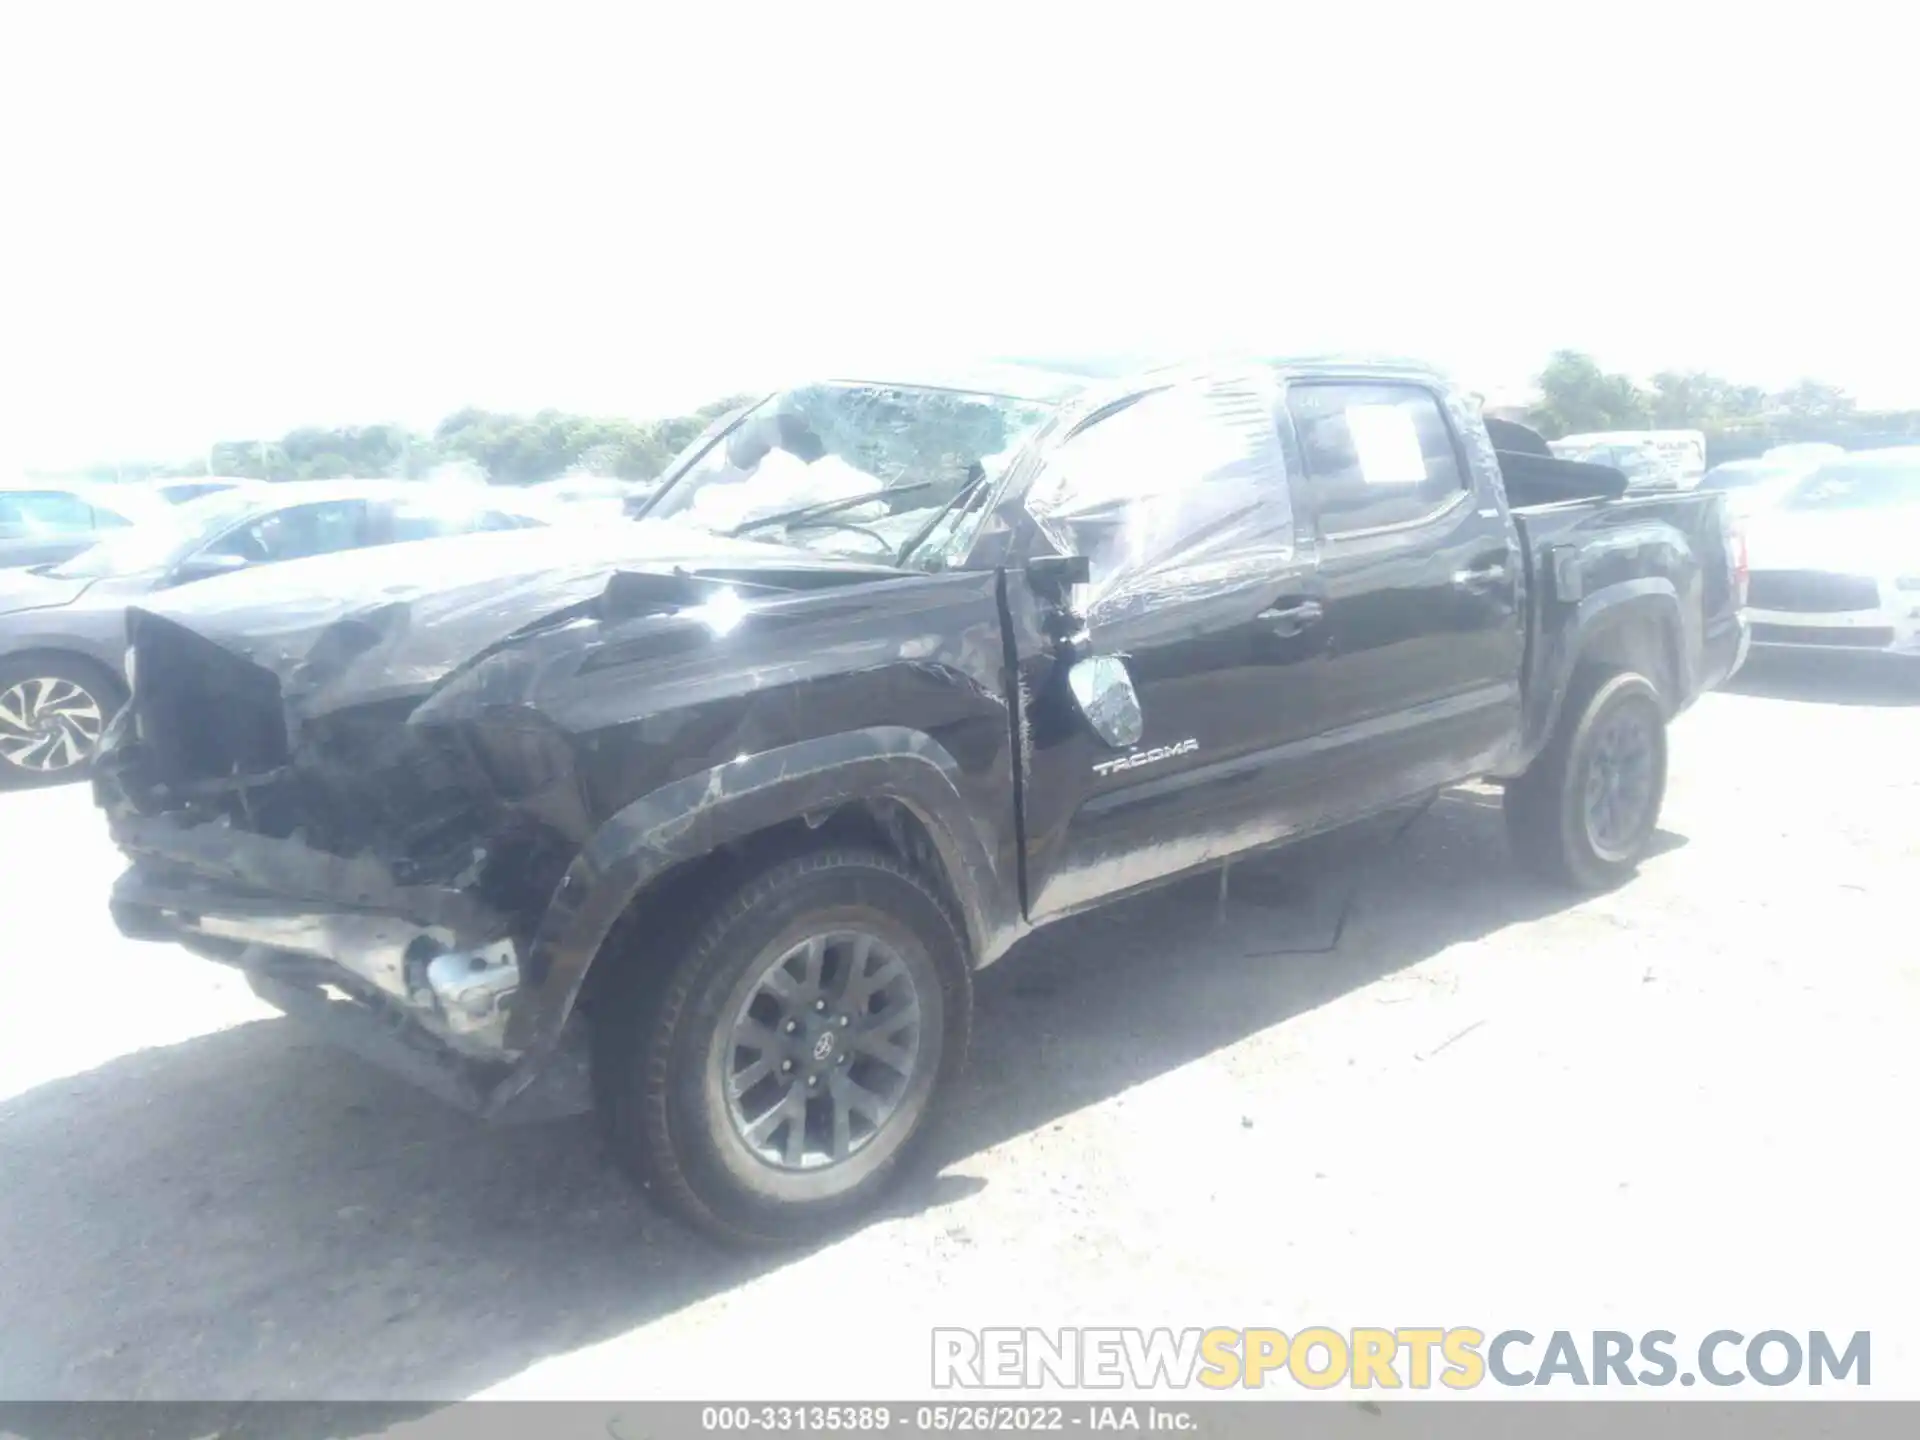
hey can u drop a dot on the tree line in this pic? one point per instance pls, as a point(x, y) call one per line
point(1576, 396)
point(504, 448)
point(1573, 395)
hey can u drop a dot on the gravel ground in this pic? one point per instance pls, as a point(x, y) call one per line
point(1685, 1105)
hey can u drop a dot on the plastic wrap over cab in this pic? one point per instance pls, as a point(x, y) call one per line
point(1176, 494)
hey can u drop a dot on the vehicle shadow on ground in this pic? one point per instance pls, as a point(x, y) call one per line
point(1819, 679)
point(249, 1214)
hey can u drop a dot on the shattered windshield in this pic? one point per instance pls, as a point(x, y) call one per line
point(851, 469)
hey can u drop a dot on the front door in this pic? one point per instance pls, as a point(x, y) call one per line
point(1180, 502)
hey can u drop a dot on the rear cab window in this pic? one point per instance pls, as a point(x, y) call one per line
point(1376, 455)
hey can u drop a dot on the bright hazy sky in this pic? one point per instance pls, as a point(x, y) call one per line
point(227, 221)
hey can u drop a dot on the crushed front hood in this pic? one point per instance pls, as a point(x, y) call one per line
point(389, 622)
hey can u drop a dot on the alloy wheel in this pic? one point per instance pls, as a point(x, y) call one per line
point(48, 725)
point(1620, 782)
point(823, 1051)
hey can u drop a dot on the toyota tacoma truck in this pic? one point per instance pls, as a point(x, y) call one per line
point(704, 821)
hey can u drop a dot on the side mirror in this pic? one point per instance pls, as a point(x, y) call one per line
point(1054, 576)
point(206, 565)
point(1104, 691)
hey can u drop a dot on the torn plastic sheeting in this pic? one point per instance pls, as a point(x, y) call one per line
point(1464, 416)
point(1179, 496)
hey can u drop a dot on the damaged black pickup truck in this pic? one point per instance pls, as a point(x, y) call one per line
point(705, 821)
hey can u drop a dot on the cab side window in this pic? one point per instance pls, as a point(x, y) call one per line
point(1375, 454)
point(297, 532)
point(428, 519)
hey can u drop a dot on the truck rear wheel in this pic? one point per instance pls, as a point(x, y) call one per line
point(785, 1070)
point(1586, 811)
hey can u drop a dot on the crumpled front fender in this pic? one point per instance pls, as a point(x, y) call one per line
point(694, 816)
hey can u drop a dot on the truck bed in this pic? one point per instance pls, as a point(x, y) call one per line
point(1661, 553)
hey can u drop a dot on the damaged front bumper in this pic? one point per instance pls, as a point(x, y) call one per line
point(419, 980)
point(341, 863)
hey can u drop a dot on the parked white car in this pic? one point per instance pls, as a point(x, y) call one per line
point(582, 499)
point(1813, 451)
point(1757, 485)
point(1836, 564)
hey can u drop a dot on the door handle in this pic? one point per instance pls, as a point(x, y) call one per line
point(1293, 616)
point(1488, 575)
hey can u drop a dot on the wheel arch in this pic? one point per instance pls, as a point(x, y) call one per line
point(668, 853)
point(52, 651)
point(1636, 625)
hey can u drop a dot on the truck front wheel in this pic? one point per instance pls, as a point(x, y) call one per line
point(1586, 811)
point(786, 1069)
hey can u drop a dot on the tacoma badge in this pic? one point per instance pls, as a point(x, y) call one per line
point(1145, 757)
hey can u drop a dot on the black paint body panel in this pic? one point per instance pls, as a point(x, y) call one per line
point(512, 743)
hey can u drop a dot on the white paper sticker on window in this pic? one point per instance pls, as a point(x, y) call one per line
point(1387, 443)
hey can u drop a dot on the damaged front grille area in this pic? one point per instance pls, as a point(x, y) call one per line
point(209, 742)
point(352, 851)
point(202, 711)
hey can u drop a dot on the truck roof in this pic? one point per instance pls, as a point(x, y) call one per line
point(1010, 382)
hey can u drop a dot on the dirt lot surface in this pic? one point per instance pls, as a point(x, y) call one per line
point(1388, 1082)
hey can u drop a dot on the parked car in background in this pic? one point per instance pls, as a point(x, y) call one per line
point(178, 492)
point(1836, 563)
point(44, 522)
point(587, 497)
point(63, 634)
point(1812, 452)
point(640, 495)
point(1754, 486)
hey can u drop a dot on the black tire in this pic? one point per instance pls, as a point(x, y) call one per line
point(1550, 820)
point(101, 689)
point(663, 1051)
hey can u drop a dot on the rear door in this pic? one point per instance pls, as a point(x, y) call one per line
point(1420, 571)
